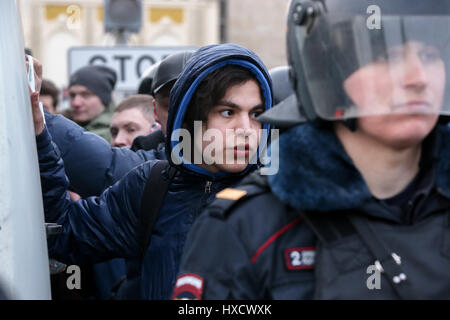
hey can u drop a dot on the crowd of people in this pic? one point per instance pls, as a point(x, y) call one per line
point(174, 204)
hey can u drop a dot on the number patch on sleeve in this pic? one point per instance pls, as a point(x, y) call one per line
point(300, 258)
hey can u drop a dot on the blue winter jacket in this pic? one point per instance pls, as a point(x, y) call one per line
point(91, 163)
point(100, 228)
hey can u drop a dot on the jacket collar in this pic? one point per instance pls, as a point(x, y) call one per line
point(316, 174)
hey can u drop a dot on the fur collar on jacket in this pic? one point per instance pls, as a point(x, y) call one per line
point(316, 173)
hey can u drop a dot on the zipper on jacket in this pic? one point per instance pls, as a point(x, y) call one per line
point(208, 186)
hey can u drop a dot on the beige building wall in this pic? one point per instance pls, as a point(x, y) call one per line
point(51, 27)
point(259, 25)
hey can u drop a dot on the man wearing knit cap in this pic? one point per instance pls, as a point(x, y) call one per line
point(90, 91)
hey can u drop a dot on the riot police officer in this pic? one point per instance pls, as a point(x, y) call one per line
point(359, 208)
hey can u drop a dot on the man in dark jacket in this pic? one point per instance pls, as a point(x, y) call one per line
point(164, 78)
point(90, 91)
point(222, 88)
point(152, 140)
point(359, 208)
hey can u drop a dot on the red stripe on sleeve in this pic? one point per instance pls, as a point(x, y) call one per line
point(273, 238)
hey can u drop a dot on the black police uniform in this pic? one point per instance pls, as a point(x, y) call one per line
point(288, 236)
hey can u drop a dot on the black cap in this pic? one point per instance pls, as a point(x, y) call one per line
point(99, 79)
point(145, 86)
point(169, 69)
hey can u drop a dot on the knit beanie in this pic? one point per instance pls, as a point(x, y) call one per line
point(99, 79)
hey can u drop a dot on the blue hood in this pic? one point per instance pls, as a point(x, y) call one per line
point(202, 63)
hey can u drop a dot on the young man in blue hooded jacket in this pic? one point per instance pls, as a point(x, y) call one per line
point(224, 88)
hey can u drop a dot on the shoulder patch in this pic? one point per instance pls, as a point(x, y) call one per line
point(300, 258)
point(231, 194)
point(189, 286)
point(228, 198)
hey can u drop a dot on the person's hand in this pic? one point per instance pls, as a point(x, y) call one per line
point(37, 73)
point(74, 196)
point(38, 116)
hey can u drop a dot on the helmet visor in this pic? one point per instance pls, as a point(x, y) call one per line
point(360, 66)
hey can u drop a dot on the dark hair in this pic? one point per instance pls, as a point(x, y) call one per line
point(212, 89)
point(49, 88)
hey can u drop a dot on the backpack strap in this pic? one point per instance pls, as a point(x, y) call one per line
point(331, 227)
point(156, 187)
point(387, 261)
point(152, 201)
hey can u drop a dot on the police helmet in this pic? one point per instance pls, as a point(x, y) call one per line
point(145, 85)
point(169, 69)
point(285, 112)
point(329, 40)
point(281, 83)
